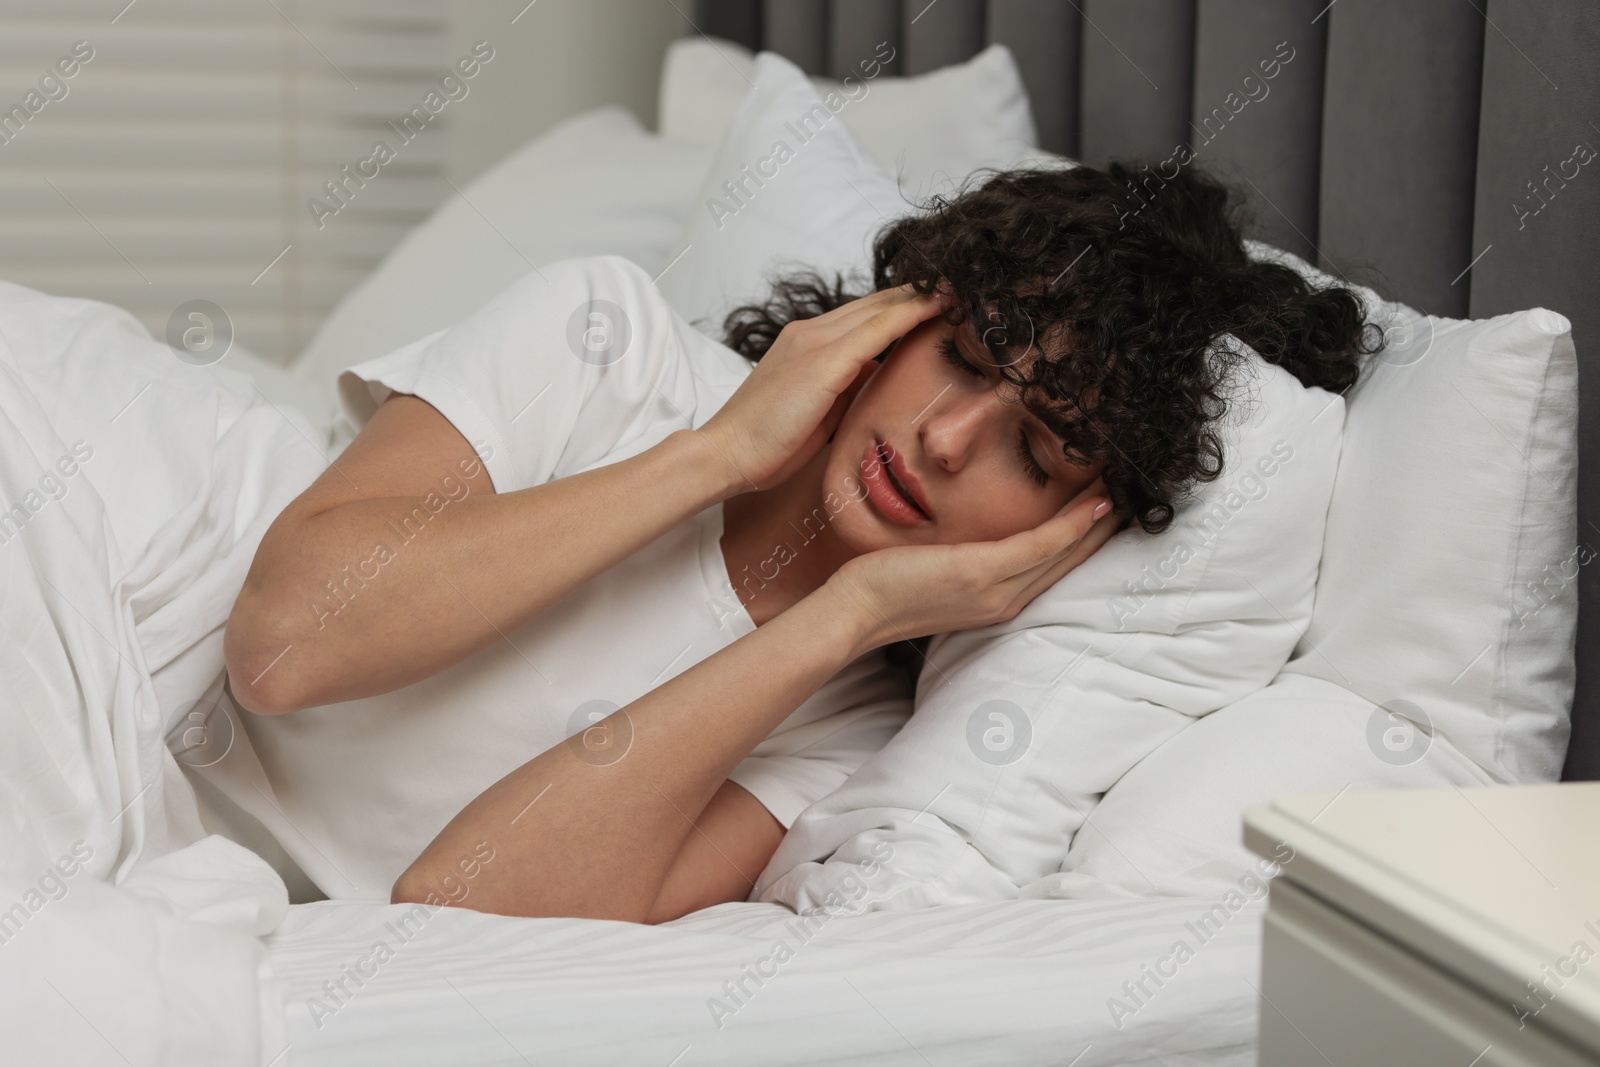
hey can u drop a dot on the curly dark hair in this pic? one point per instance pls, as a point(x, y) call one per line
point(1124, 280)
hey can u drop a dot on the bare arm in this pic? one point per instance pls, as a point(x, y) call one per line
point(588, 839)
point(325, 617)
point(721, 858)
point(611, 838)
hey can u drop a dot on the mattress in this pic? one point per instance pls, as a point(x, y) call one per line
point(1059, 982)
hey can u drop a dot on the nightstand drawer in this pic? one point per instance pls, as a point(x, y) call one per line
point(1336, 991)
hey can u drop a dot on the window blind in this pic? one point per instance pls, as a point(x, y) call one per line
point(180, 159)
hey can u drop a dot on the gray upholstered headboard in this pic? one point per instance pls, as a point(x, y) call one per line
point(1401, 140)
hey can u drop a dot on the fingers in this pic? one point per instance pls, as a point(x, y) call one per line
point(1102, 531)
point(885, 315)
point(845, 338)
point(871, 301)
point(876, 331)
point(882, 297)
point(1052, 539)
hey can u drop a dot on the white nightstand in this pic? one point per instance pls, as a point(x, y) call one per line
point(1419, 927)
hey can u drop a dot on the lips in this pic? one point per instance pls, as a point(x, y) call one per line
point(903, 480)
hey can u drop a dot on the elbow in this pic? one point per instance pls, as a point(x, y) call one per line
point(418, 884)
point(258, 658)
point(423, 883)
point(410, 888)
point(258, 700)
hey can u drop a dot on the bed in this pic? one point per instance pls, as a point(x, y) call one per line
point(1003, 983)
point(1344, 178)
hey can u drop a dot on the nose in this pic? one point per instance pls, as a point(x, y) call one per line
point(957, 425)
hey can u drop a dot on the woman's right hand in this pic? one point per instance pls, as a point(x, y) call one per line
point(784, 412)
point(914, 590)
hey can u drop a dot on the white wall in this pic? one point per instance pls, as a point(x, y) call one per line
point(559, 58)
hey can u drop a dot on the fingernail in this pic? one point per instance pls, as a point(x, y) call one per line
point(1105, 506)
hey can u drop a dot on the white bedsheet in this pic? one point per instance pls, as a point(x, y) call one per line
point(1011, 983)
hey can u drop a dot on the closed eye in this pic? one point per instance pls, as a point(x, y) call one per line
point(952, 355)
point(1035, 471)
point(1030, 464)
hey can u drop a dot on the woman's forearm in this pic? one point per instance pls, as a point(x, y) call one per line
point(326, 616)
point(590, 830)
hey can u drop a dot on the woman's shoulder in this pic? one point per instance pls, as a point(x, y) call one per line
point(618, 313)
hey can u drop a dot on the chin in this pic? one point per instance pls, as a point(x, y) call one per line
point(851, 519)
point(861, 530)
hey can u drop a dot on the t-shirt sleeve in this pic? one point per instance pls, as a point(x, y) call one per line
point(561, 370)
point(827, 738)
point(789, 783)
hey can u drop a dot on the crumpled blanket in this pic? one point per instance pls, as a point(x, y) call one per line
point(135, 487)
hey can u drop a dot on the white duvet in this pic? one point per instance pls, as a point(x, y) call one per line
point(137, 488)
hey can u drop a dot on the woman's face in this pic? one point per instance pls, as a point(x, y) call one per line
point(946, 418)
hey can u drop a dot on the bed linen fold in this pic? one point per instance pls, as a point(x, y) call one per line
point(135, 487)
point(1007, 984)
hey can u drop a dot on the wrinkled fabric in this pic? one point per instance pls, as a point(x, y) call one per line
point(136, 488)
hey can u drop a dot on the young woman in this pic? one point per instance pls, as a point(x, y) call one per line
point(1033, 369)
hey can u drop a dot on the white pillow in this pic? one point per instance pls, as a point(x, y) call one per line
point(814, 203)
point(1455, 493)
point(1450, 568)
point(285, 390)
point(929, 130)
point(1019, 727)
point(1172, 825)
point(596, 184)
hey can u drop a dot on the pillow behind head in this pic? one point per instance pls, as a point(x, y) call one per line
point(1439, 651)
point(595, 184)
point(1020, 726)
point(1172, 825)
point(929, 130)
point(1452, 556)
point(789, 188)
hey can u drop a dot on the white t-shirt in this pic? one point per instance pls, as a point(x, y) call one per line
point(576, 366)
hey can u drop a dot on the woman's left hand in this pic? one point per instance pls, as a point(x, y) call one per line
point(914, 590)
